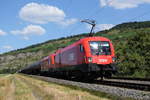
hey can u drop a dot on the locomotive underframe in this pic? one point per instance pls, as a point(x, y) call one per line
point(87, 68)
point(84, 70)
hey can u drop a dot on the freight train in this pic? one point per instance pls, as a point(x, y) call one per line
point(90, 57)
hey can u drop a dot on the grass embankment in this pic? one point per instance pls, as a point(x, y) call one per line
point(18, 87)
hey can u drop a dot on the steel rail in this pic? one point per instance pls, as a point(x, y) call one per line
point(130, 78)
point(130, 85)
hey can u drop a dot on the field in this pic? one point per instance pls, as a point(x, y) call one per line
point(18, 87)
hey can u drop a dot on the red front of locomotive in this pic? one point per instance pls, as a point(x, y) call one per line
point(99, 52)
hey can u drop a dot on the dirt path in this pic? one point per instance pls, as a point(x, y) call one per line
point(36, 90)
point(22, 91)
point(7, 88)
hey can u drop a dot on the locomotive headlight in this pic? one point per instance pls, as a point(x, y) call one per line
point(113, 59)
point(89, 59)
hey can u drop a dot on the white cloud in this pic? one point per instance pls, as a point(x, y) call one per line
point(30, 30)
point(100, 27)
point(122, 4)
point(42, 14)
point(7, 47)
point(103, 3)
point(2, 33)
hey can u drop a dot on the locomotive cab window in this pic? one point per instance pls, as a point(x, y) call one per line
point(100, 48)
point(81, 48)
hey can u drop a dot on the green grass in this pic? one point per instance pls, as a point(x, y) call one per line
point(2, 75)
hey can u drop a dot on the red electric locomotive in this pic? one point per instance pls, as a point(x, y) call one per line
point(90, 57)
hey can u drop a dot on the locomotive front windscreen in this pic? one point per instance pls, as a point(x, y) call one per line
point(100, 48)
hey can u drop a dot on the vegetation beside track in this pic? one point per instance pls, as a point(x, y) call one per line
point(18, 87)
point(131, 42)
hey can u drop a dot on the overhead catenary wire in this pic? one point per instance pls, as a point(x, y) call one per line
point(97, 12)
point(141, 15)
point(90, 15)
point(108, 3)
point(135, 17)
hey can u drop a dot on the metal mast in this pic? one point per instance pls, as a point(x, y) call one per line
point(91, 22)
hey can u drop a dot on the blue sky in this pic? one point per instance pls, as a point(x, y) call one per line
point(27, 22)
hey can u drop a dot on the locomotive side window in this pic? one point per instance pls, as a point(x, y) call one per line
point(81, 48)
point(49, 61)
point(100, 48)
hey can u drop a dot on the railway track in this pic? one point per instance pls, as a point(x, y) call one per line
point(130, 78)
point(131, 84)
point(126, 89)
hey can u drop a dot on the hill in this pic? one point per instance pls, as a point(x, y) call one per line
point(131, 41)
point(132, 25)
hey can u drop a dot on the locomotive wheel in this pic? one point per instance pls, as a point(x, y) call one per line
point(108, 74)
